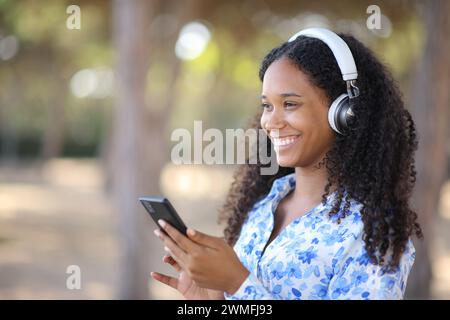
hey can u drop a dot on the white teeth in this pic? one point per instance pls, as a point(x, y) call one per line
point(284, 141)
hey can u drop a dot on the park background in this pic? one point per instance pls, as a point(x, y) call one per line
point(86, 116)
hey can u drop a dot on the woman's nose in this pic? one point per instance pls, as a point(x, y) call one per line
point(275, 120)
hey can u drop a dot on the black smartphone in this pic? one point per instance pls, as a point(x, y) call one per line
point(161, 208)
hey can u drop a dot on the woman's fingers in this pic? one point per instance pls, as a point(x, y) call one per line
point(170, 281)
point(204, 239)
point(180, 239)
point(172, 262)
point(172, 248)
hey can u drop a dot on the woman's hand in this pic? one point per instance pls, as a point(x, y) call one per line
point(208, 261)
point(184, 283)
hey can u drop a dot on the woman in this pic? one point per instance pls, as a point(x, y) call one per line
point(334, 222)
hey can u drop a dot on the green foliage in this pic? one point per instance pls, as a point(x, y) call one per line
point(38, 77)
point(220, 87)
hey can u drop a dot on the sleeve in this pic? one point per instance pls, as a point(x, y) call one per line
point(252, 289)
point(359, 279)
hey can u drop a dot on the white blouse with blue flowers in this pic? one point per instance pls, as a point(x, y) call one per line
point(313, 257)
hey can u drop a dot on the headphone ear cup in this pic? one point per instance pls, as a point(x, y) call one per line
point(337, 114)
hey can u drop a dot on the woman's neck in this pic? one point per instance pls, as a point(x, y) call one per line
point(310, 183)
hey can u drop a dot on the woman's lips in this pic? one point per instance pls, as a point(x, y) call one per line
point(285, 142)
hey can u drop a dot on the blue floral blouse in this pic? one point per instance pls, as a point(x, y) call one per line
point(313, 257)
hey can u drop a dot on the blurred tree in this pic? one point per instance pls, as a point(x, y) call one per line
point(53, 136)
point(35, 100)
point(430, 101)
point(132, 161)
point(138, 144)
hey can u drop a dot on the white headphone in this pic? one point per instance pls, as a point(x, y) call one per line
point(340, 111)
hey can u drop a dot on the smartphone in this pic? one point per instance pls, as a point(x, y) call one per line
point(161, 208)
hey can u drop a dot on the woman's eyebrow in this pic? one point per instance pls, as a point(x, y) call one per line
point(284, 95)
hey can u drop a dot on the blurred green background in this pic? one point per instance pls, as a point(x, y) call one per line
point(86, 117)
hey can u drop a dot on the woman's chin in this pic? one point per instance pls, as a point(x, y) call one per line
point(286, 162)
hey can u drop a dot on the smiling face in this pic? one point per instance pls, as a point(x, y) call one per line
point(296, 111)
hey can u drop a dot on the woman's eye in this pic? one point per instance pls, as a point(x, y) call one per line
point(290, 104)
point(265, 106)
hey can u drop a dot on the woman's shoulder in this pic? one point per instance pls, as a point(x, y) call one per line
point(352, 229)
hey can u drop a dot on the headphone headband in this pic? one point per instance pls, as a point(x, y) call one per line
point(340, 50)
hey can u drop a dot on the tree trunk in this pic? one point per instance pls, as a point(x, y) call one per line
point(9, 138)
point(138, 152)
point(430, 108)
point(53, 138)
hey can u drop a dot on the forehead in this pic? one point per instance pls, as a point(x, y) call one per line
point(283, 75)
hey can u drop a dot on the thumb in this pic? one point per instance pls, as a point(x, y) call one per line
point(202, 238)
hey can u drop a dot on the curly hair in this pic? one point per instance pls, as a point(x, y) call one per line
point(373, 163)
